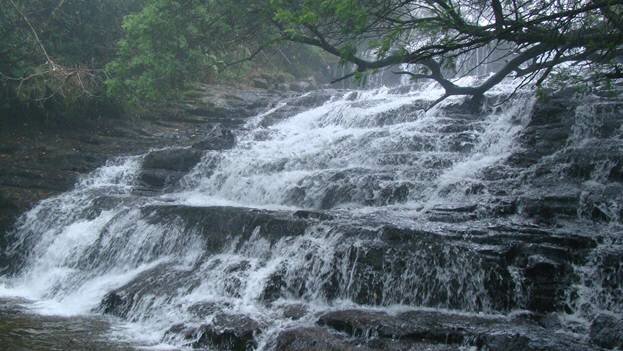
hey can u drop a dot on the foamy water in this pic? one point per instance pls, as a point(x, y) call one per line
point(359, 154)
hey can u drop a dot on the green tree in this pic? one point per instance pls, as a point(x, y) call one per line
point(52, 52)
point(525, 38)
point(171, 43)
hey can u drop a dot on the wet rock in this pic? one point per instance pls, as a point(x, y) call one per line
point(608, 276)
point(158, 178)
point(180, 332)
point(321, 339)
point(172, 159)
point(9, 211)
point(418, 328)
point(112, 304)
point(228, 333)
point(206, 309)
point(413, 326)
point(607, 331)
point(162, 280)
point(312, 215)
point(230, 106)
point(365, 324)
point(218, 138)
point(294, 311)
point(273, 287)
point(381, 267)
point(217, 225)
point(465, 208)
point(548, 209)
point(310, 339)
point(39, 160)
point(261, 83)
point(504, 342)
point(547, 282)
point(165, 167)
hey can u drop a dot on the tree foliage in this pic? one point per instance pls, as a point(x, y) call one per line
point(52, 51)
point(524, 38)
point(170, 43)
point(149, 51)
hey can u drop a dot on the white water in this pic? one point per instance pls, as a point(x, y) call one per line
point(364, 145)
point(360, 153)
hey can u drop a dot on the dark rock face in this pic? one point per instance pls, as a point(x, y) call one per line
point(607, 331)
point(229, 106)
point(310, 339)
point(295, 311)
point(547, 283)
point(113, 304)
point(418, 328)
point(172, 159)
point(228, 333)
point(572, 157)
point(8, 212)
point(217, 225)
point(323, 339)
point(218, 138)
point(608, 276)
point(120, 302)
point(382, 266)
point(158, 179)
point(36, 164)
point(164, 168)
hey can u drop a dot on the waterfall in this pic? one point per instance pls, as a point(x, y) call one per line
point(366, 200)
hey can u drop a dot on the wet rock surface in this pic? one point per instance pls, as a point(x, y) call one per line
point(228, 333)
point(23, 330)
point(444, 328)
point(607, 331)
point(218, 138)
point(38, 163)
point(161, 169)
point(517, 234)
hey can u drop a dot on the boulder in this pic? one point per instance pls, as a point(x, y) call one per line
point(416, 326)
point(310, 339)
point(158, 178)
point(295, 311)
point(321, 339)
point(547, 282)
point(181, 160)
point(607, 331)
point(113, 303)
point(164, 168)
point(228, 333)
point(218, 138)
point(436, 330)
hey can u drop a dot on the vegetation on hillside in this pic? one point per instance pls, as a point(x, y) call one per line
point(169, 43)
point(52, 54)
point(59, 54)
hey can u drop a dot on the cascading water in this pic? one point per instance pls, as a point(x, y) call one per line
point(365, 201)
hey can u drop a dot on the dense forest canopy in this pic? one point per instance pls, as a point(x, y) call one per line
point(137, 52)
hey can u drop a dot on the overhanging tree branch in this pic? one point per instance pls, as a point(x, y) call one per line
point(539, 35)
